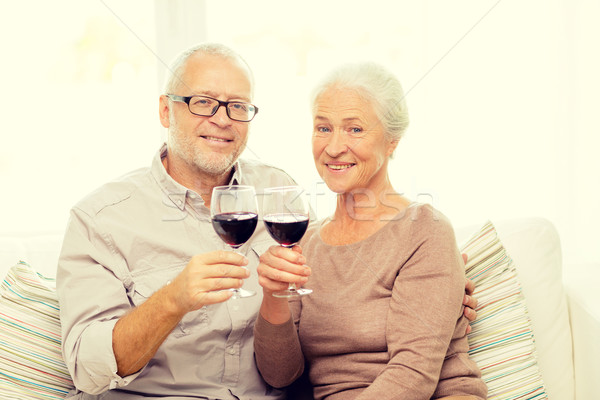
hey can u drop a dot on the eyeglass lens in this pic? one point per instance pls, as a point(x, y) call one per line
point(206, 106)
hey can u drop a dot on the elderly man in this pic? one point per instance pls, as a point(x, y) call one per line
point(142, 275)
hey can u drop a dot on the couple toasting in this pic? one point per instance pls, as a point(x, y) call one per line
point(142, 285)
point(286, 213)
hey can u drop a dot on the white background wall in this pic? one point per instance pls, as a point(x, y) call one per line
point(503, 97)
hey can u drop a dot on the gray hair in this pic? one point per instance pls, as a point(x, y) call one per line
point(176, 68)
point(375, 84)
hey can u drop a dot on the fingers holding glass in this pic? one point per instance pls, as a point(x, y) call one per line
point(286, 218)
point(279, 267)
point(234, 215)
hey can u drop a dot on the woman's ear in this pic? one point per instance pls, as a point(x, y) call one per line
point(164, 111)
point(392, 147)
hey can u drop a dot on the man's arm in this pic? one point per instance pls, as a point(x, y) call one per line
point(94, 300)
point(138, 335)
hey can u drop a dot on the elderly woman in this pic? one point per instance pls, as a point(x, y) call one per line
point(364, 332)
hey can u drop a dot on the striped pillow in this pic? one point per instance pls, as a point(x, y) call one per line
point(502, 341)
point(31, 363)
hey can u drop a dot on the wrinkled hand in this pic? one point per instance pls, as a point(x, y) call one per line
point(206, 278)
point(469, 301)
point(280, 266)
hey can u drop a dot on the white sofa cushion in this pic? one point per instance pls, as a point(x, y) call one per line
point(534, 246)
point(39, 249)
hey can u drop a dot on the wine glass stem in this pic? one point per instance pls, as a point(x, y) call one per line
point(240, 293)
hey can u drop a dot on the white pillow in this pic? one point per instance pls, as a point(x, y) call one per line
point(31, 363)
point(36, 248)
point(534, 245)
point(502, 342)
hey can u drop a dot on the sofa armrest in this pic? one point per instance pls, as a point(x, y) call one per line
point(582, 283)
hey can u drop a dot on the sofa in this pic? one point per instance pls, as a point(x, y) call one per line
point(553, 351)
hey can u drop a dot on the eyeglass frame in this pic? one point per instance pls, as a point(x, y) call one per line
point(187, 99)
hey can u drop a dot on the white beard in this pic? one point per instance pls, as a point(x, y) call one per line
point(183, 147)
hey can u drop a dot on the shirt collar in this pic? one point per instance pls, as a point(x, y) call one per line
point(175, 191)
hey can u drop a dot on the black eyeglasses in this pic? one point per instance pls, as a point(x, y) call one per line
point(207, 107)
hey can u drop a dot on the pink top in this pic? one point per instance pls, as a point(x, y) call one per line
point(384, 320)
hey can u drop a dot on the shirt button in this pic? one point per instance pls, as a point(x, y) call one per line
point(231, 350)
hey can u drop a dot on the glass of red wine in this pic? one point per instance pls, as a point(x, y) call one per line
point(286, 217)
point(234, 217)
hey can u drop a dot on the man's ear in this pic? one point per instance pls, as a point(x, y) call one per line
point(164, 111)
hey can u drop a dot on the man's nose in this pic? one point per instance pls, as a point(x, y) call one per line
point(220, 117)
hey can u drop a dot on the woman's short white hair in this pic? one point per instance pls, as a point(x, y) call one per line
point(375, 84)
point(176, 68)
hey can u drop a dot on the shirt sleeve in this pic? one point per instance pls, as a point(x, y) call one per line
point(425, 308)
point(91, 299)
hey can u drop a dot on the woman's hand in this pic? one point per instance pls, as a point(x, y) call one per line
point(279, 266)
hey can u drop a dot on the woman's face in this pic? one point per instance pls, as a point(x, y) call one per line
point(349, 146)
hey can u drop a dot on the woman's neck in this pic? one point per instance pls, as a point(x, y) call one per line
point(369, 204)
point(361, 213)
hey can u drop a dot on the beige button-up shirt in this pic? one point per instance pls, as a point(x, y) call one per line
point(125, 241)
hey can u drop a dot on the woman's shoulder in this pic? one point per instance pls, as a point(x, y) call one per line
point(424, 219)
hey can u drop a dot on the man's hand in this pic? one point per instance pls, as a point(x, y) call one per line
point(206, 278)
point(469, 301)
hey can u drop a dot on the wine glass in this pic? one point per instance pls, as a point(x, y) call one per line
point(286, 216)
point(234, 217)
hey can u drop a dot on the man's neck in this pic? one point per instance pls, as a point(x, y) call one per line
point(196, 180)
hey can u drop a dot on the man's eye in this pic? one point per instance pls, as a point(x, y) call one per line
point(322, 129)
point(201, 101)
point(238, 106)
point(356, 130)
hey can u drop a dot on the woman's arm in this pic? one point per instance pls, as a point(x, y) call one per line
point(419, 332)
point(276, 344)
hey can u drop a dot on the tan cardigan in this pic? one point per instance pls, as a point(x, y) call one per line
point(384, 320)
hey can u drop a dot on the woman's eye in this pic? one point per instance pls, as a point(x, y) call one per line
point(356, 130)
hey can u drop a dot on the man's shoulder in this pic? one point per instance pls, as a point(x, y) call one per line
point(249, 163)
point(258, 173)
point(113, 192)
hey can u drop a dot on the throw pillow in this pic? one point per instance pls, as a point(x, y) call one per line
point(31, 363)
point(501, 342)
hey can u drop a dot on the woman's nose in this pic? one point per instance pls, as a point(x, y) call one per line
point(337, 144)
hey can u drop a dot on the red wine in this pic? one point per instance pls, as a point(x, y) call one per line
point(286, 229)
point(235, 228)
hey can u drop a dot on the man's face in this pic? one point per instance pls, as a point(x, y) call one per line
point(210, 145)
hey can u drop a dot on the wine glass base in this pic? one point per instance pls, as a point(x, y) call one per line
point(292, 293)
point(242, 293)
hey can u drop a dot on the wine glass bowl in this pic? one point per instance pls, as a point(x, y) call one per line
point(286, 218)
point(235, 228)
point(234, 216)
